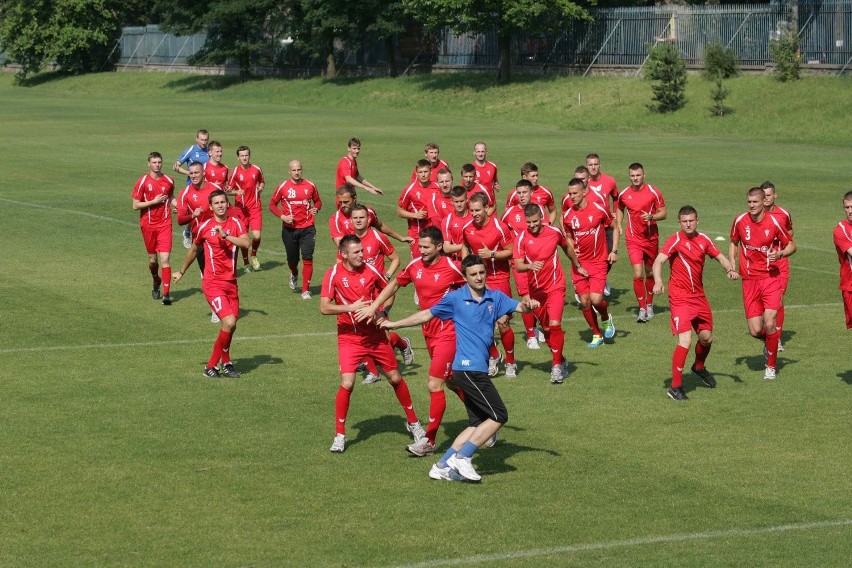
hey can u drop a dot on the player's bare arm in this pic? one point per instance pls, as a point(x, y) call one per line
point(572, 256)
point(729, 268)
point(137, 205)
point(369, 312)
point(782, 253)
point(241, 241)
point(657, 271)
point(388, 230)
point(190, 258)
point(329, 308)
point(415, 319)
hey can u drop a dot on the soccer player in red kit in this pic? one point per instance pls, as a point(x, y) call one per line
point(433, 275)
point(340, 223)
point(601, 183)
point(536, 252)
point(153, 196)
point(585, 224)
point(347, 170)
point(215, 171)
point(786, 221)
point(193, 208)
point(468, 176)
point(246, 182)
point(442, 202)
point(414, 203)
point(491, 239)
point(761, 241)
point(686, 251)
point(220, 235)
point(643, 205)
point(297, 202)
point(516, 219)
point(430, 152)
point(843, 246)
point(486, 172)
point(348, 286)
point(453, 224)
point(540, 194)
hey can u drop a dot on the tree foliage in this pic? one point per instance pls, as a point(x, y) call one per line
point(784, 51)
point(667, 69)
point(719, 93)
point(719, 60)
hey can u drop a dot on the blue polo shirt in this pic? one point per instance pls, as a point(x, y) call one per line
point(474, 322)
point(193, 154)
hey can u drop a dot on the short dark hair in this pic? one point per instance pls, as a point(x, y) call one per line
point(346, 241)
point(756, 190)
point(444, 171)
point(243, 149)
point(575, 181)
point(202, 131)
point(527, 168)
point(524, 183)
point(768, 185)
point(471, 260)
point(468, 168)
point(592, 156)
point(635, 166)
point(532, 209)
point(216, 193)
point(214, 143)
point(155, 155)
point(434, 234)
point(422, 164)
point(360, 207)
point(847, 196)
point(347, 188)
point(353, 142)
point(582, 170)
point(687, 210)
point(458, 191)
point(480, 198)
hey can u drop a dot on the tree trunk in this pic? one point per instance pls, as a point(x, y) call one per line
point(391, 56)
point(330, 68)
point(504, 63)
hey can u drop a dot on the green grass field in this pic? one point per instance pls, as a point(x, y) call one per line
point(116, 452)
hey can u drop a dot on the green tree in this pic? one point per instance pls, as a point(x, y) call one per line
point(507, 17)
point(784, 51)
point(667, 69)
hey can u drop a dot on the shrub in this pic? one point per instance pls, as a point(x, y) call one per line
point(666, 67)
point(719, 94)
point(719, 60)
point(784, 51)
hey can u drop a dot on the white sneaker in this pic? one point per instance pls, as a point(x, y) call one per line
point(187, 239)
point(492, 365)
point(540, 335)
point(649, 311)
point(780, 345)
point(214, 318)
point(306, 295)
point(489, 443)
point(557, 374)
point(255, 263)
point(292, 281)
point(464, 467)
point(577, 298)
point(532, 343)
point(769, 374)
point(370, 379)
point(408, 352)
point(339, 444)
point(643, 316)
point(445, 473)
point(511, 370)
point(607, 290)
point(417, 431)
point(421, 448)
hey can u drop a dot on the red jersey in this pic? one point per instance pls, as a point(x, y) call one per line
point(452, 227)
point(340, 224)
point(415, 198)
point(217, 174)
point(605, 187)
point(757, 239)
point(486, 174)
point(540, 195)
point(296, 199)
point(493, 235)
point(842, 243)
point(345, 287)
point(479, 188)
point(544, 247)
point(686, 258)
point(591, 197)
point(249, 180)
point(516, 219)
point(376, 247)
point(634, 202)
point(433, 173)
point(146, 189)
point(220, 255)
point(440, 206)
point(189, 200)
point(587, 228)
point(432, 282)
point(786, 221)
point(345, 167)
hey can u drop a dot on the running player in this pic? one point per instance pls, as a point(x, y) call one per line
point(783, 217)
point(193, 208)
point(215, 171)
point(442, 202)
point(347, 170)
point(686, 251)
point(195, 153)
point(540, 194)
point(468, 175)
point(486, 172)
point(843, 245)
point(453, 224)
point(430, 153)
point(340, 224)
point(246, 182)
point(414, 203)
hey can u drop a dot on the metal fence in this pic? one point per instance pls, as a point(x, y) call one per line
point(614, 37)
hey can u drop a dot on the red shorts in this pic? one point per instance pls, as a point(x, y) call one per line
point(552, 304)
point(352, 349)
point(847, 307)
point(442, 350)
point(157, 239)
point(691, 313)
point(521, 282)
point(253, 217)
point(642, 251)
point(761, 295)
point(222, 295)
point(594, 283)
point(784, 269)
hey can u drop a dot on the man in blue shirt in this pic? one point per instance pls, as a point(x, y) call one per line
point(195, 153)
point(474, 310)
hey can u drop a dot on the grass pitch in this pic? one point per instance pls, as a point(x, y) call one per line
point(115, 451)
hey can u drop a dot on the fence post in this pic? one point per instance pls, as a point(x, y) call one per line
point(178, 53)
point(606, 41)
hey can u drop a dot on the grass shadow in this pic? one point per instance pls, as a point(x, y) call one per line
point(246, 366)
point(44, 78)
point(178, 295)
point(476, 82)
point(374, 426)
point(201, 83)
point(846, 377)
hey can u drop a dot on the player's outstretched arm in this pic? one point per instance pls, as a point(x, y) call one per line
point(657, 271)
point(729, 269)
point(329, 308)
point(190, 258)
point(415, 319)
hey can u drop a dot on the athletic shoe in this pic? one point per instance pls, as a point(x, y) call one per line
point(649, 311)
point(255, 264)
point(607, 290)
point(706, 377)
point(155, 292)
point(339, 444)
point(167, 300)
point(780, 345)
point(246, 269)
point(417, 431)
point(370, 379)
point(577, 298)
point(489, 443)
point(229, 371)
point(492, 365)
point(540, 335)
point(211, 372)
point(306, 295)
point(511, 370)
point(532, 343)
point(609, 328)
point(565, 371)
point(557, 374)
point(464, 467)
point(445, 473)
point(769, 374)
point(643, 316)
point(597, 341)
point(292, 281)
point(214, 318)
point(187, 238)
point(407, 352)
point(677, 394)
point(420, 449)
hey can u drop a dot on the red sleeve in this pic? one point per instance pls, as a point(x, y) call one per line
point(184, 212)
point(230, 183)
point(274, 201)
point(137, 189)
point(317, 199)
point(333, 230)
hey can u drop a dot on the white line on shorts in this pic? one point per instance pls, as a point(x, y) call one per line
point(643, 541)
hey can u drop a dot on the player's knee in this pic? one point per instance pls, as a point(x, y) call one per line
point(435, 384)
point(501, 415)
point(585, 302)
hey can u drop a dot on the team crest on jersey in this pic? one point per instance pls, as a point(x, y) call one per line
point(490, 309)
point(766, 232)
point(345, 282)
point(517, 218)
point(590, 218)
point(369, 249)
point(362, 281)
point(241, 177)
point(437, 276)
